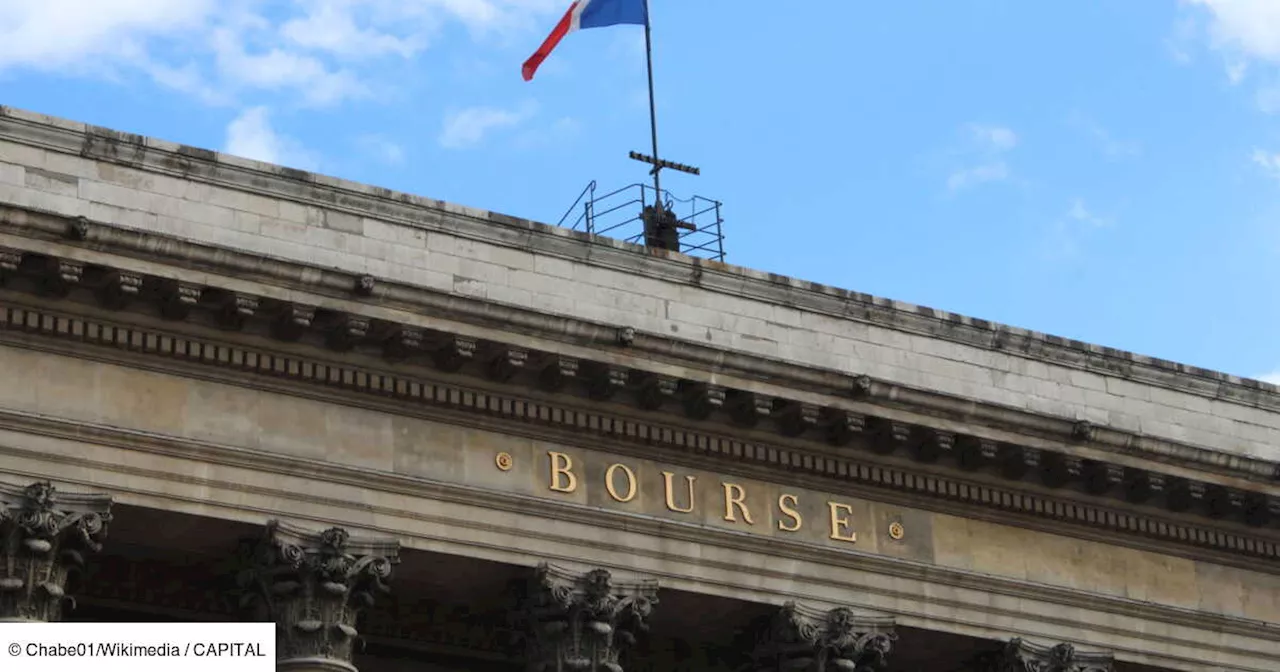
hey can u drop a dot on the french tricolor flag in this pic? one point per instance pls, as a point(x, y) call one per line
point(588, 14)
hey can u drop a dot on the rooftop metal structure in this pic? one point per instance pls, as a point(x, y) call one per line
point(621, 214)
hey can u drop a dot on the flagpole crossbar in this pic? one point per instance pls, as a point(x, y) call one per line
point(659, 164)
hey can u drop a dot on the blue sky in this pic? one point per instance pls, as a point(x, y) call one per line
point(1107, 171)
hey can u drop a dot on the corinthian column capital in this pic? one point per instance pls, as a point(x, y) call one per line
point(838, 640)
point(1018, 655)
point(314, 585)
point(44, 536)
point(582, 622)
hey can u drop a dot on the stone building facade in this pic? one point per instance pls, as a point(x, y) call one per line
point(418, 436)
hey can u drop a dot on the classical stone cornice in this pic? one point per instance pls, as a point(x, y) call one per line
point(872, 423)
point(573, 421)
point(620, 348)
point(202, 165)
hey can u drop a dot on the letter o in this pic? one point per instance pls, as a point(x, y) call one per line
point(631, 482)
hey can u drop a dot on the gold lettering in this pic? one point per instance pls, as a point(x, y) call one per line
point(839, 523)
point(787, 504)
point(562, 465)
point(734, 496)
point(671, 495)
point(631, 482)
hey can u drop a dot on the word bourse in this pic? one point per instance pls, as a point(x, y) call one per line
point(622, 485)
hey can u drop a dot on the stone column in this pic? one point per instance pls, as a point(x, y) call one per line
point(582, 622)
point(797, 639)
point(1018, 655)
point(313, 586)
point(44, 536)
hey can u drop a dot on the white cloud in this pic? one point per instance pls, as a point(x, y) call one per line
point(970, 177)
point(1247, 29)
point(984, 157)
point(1268, 161)
point(57, 34)
point(319, 52)
point(1070, 233)
point(1112, 147)
point(1273, 378)
point(382, 149)
point(331, 26)
point(251, 136)
point(1080, 213)
point(994, 138)
point(468, 127)
point(1247, 35)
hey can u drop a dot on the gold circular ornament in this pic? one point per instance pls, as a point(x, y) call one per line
point(504, 461)
point(896, 531)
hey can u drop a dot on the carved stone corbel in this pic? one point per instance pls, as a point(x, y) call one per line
point(582, 622)
point(60, 275)
point(119, 288)
point(555, 371)
point(10, 260)
point(804, 640)
point(747, 408)
point(403, 343)
point(602, 381)
point(502, 362)
point(700, 400)
point(1018, 461)
point(347, 331)
point(797, 417)
point(313, 586)
point(889, 435)
point(237, 309)
point(933, 444)
point(44, 536)
point(1018, 655)
point(455, 352)
point(654, 390)
point(293, 321)
point(842, 426)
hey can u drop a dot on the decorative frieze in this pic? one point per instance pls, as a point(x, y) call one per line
point(1018, 655)
point(45, 536)
point(582, 622)
point(797, 639)
point(313, 586)
point(841, 427)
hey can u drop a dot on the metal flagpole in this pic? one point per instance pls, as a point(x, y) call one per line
point(660, 219)
point(653, 113)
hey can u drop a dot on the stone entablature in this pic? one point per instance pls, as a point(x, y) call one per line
point(1069, 481)
point(714, 316)
point(315, 586)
